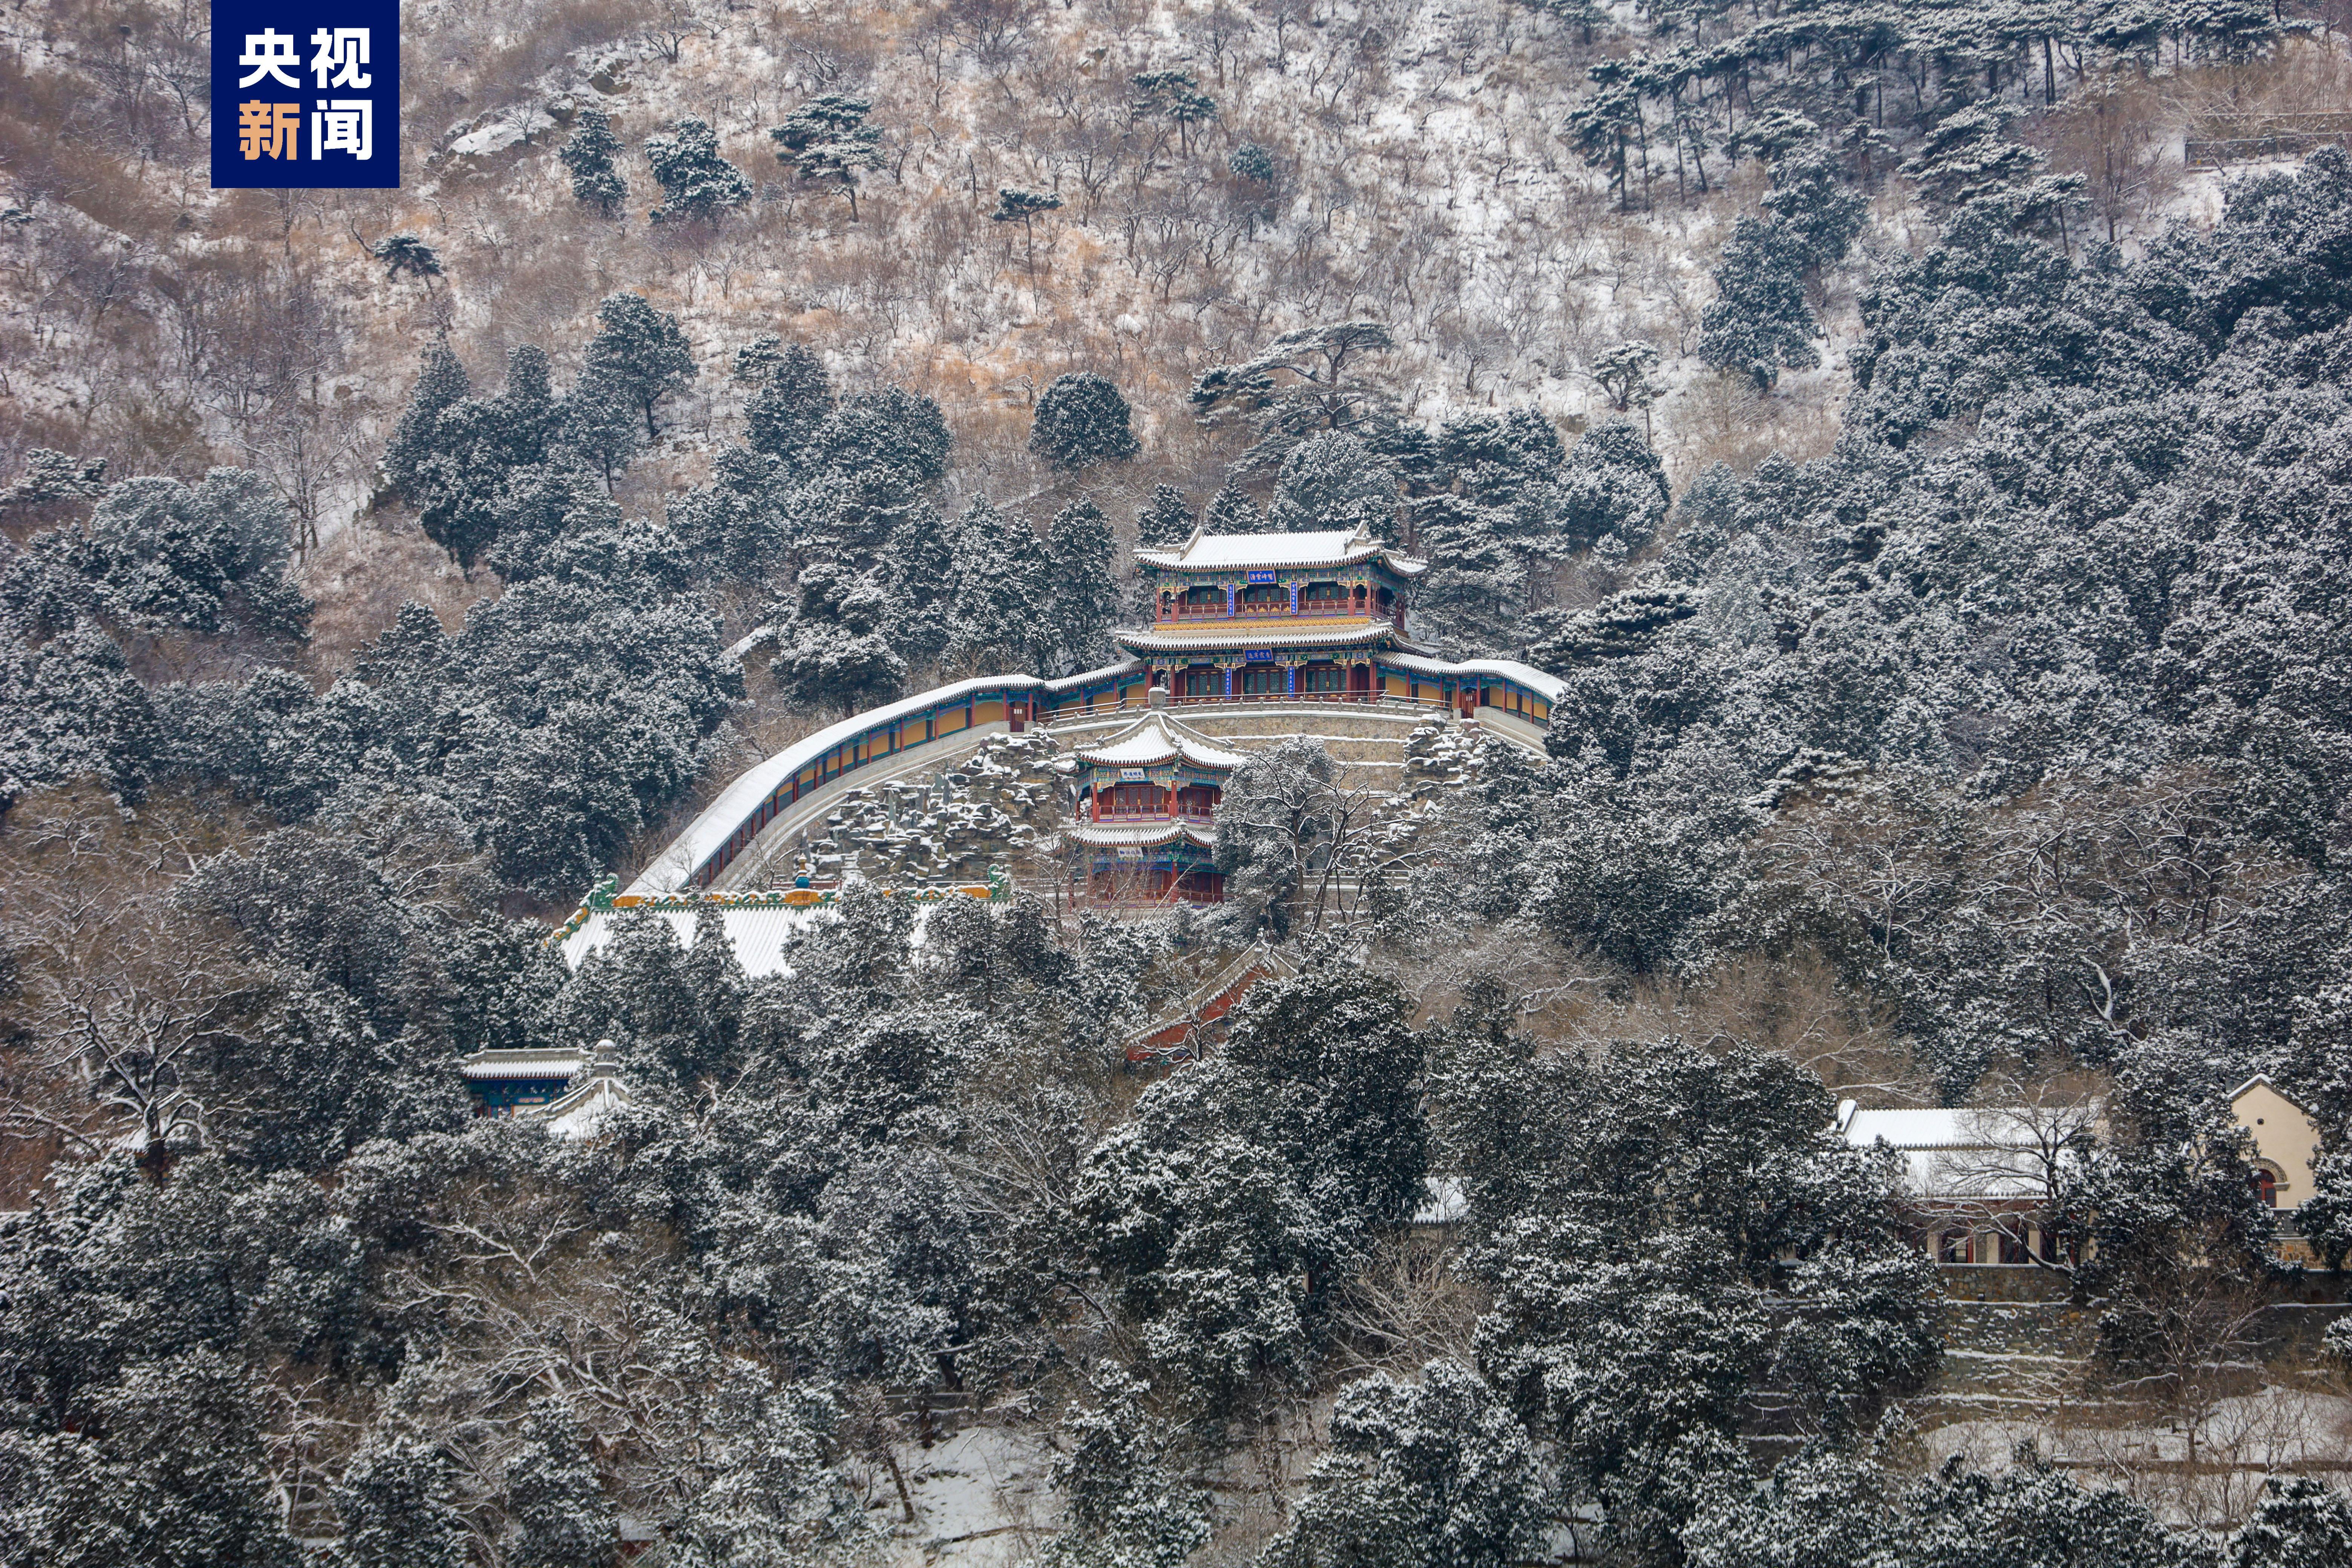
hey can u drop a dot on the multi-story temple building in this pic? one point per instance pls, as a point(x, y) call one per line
point(1243, 626)
point(1147, 803)
point(1276, 615)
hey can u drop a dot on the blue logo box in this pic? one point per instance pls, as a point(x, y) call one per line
point(305, 96)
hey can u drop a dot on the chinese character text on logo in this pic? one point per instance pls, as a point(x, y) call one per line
point(261, 76)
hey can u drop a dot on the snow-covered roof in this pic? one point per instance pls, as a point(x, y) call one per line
point(1156, 738)
point(707, 834)
point(1930, 1129)
point(489, 1065)
point(1443, 1201)
point(1984, 1152)
point(1551, 687)
point(1272, 551)
point(2262, 1080)
point(1239, 631)
point(758, 933)
point(1141, 836)
point(578, 1113)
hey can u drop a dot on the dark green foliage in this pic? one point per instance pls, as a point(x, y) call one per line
point(1310, 1125)
point(596, 181)
point(835, 651)
point(1081, 421)
point(791, 407)
point(396, 1508)
point(407, 253)
point(209, 558)
point(1435, 1473)
point(1000, 599)
point(641, 352)
point(1252, 163)
point(1082, 594)
point(1334, 481)
point(171, 1472)
point(1760, 322)
point(697, 184)
point(828, 141)
point(563, 1519)
point(1165, 520)
point(1128, 1507)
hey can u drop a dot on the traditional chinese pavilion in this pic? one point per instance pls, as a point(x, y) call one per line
point(1274, 615)
point(1147, 802)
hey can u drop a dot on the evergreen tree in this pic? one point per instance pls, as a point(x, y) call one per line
point(697, 184)
point(1332, 481)
point(396, 1508)
point(770, 1495)
point(2300, 1523)
point(1819, 216)
point(1437, 1474)
point(834, 650)
point(999, 601)
point(1164, 521)
point(407, 253)
point(892, 429)
point(1082, 420)
point(1230, 510)
point(639, 352)
point(1612, 483)
point(786, 414)
point(562, 1518)
point(828, 141)
point(1128, 1506)
point(595, 180)
point(441, 383)
point(176, 1477)
point(1623, 372)
point(210, 557)
point(597, 421)
point(1024, 207)
point(1082, 595)
point(1758, 321)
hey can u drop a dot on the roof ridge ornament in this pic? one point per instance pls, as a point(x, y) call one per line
point(1185, 550)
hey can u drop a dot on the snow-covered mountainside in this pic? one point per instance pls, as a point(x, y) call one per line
point(1884, 466)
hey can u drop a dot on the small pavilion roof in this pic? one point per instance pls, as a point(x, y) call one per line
point(1272, 551)
point(1244, 631)
point(484, 1065)
point(1141, 835)
point(1157, 739)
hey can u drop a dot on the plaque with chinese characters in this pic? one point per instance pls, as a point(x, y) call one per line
point(305, 95)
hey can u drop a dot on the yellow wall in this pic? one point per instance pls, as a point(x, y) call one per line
point(2284, 1136)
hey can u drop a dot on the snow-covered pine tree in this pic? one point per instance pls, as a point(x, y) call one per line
point(1813, 207)
point(561, 1516)
point(1082, 420)
point(396, 1500)
point(589, 154)
point(834, 650)
point(1332, 481)
point(1166, 519)
point(1128, 1505)
point(784, 415)
point(1230, 510)
point(441, 383)
point(697, 184)
point(1083, 593)
point(1434, 1472)
point(639, 352)
point(999, 603)
point(1758, 321)
point(828, 141)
